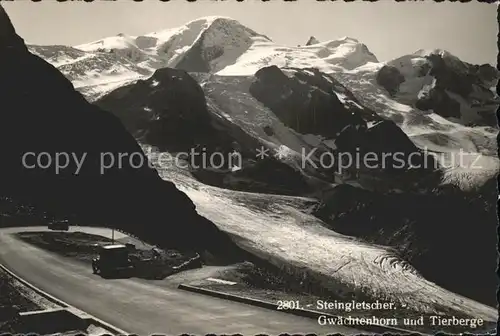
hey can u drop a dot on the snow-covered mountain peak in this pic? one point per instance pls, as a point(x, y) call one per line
point(205, 44)
point(221, 44)
point(348, 39)
point(200, 25)
point(428, 52)
point(330, 56)
point(210, 19)
point(212, 44)
point(346, 52)
point(437, 81)
point(191, 31)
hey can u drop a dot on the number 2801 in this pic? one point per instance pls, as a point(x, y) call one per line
point(284, 305)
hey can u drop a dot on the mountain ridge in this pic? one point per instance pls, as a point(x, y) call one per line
point(420, 95)
point(108, 63)
point(198, 45)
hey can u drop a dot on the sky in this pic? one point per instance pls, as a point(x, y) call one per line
point(390, 29)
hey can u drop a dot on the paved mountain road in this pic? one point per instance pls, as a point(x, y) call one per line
point(140, 307)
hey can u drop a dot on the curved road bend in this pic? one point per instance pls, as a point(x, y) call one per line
point(140, 307)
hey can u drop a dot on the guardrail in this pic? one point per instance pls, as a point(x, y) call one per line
point(135, 237)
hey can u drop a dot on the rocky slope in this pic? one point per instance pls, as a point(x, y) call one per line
point(312, 40)
point(438, 81)
point(271, 110)
point(43, 113)
point(171, 112)
point(438, 232)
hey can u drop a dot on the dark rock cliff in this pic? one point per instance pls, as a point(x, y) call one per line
point(390, 78)
point(307, 103)
point(168, 110)
point(312, 40)
point(42, 113)
point(171, 111)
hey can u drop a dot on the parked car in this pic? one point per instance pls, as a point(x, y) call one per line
point(60, 225)
point(113, 259)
